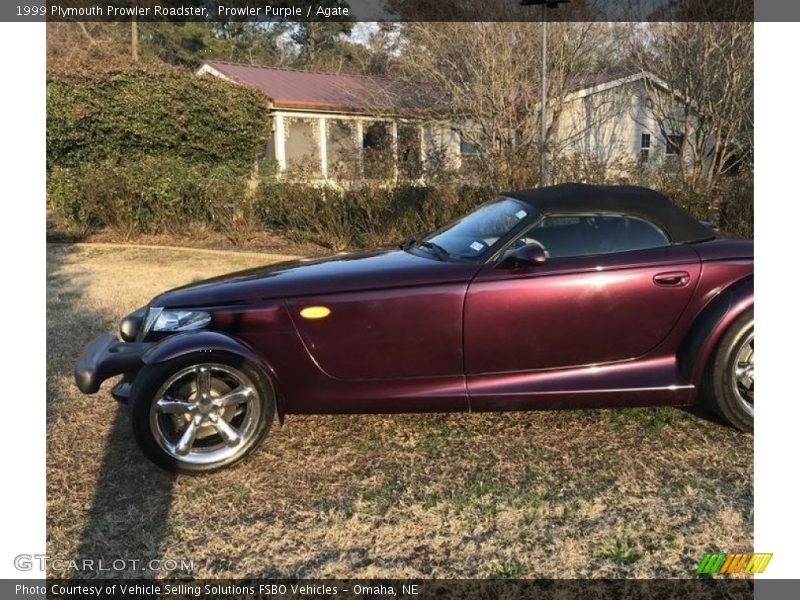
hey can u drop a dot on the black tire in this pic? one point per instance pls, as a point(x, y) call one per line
point(720, 382)
point(145, 392)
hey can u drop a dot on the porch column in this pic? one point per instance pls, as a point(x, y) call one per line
point(323, 146)
point(280, 142)
point(360, 146)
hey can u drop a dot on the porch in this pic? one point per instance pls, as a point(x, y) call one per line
point(340, 147)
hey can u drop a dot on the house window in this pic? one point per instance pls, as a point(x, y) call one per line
point(644, 148)
point(468, 147)
point(674, 144)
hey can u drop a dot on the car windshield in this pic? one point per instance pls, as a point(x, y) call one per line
point(479, 232)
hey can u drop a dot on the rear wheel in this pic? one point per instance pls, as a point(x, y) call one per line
point(730, 380)
point(201, 412)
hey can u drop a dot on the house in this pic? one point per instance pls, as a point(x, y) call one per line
point(321, 122)
point(609, 118)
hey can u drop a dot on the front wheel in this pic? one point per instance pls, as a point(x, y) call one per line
point(730, 381)
point(201, 412)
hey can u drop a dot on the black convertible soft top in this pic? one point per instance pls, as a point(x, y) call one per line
point(571, 198)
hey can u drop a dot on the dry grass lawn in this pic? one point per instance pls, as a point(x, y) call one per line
point(632, 493)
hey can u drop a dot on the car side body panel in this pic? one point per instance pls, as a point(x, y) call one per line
point(411, 360)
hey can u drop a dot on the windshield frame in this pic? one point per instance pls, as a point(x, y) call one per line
point(489, 253)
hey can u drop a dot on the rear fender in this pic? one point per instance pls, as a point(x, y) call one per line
point(181, 344)
point(710, 325)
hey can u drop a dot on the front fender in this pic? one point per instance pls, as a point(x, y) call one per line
point(189, 342)
point(710, 325)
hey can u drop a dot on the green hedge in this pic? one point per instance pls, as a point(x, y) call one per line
point(122, 115)
point(173, 196)
point(146, 195)
point(156, 195)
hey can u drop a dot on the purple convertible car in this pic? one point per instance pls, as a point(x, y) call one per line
point(571, 296)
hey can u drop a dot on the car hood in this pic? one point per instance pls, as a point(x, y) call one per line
point(349, 272)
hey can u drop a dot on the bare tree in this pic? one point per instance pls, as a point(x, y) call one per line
point(75, 44)
point(489, 75)
point(701, 94)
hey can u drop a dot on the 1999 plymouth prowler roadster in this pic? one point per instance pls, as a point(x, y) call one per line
point(571, 296)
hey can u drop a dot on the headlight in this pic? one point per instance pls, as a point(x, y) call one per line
point(160, 319)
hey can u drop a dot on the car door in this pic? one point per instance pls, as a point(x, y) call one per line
point(386, 334)
point(611, 290)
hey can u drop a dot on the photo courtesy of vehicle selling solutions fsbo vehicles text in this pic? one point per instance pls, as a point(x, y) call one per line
point(400, 299)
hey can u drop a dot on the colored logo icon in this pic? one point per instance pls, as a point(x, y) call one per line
point(725, 564)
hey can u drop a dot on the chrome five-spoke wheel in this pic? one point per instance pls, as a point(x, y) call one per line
point(205, 413)
point(201, 412)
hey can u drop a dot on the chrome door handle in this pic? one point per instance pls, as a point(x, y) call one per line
point(672, 279)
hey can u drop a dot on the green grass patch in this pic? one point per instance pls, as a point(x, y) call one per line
point(508, 569)
point(619, 551)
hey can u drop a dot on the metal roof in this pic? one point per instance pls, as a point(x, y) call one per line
point(311, 90)
point(342, 92)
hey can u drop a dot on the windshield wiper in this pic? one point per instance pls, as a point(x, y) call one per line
point(408, 242)
point(440, 252)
